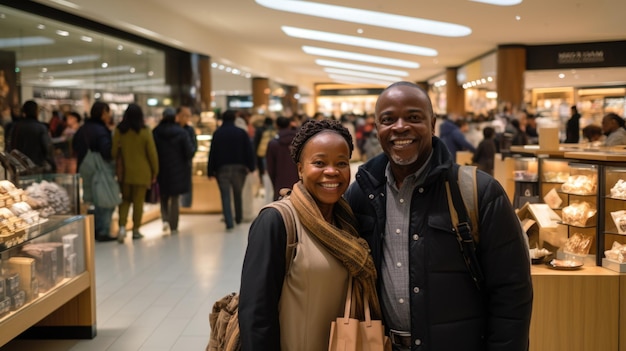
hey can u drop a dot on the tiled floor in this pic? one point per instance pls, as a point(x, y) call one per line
point(155, 294)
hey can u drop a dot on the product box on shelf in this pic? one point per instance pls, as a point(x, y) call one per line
point(614, 265)
point(5, 306)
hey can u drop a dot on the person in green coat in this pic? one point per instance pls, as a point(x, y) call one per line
point(134, 141)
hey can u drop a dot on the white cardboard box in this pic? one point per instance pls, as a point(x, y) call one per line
point(614, 265)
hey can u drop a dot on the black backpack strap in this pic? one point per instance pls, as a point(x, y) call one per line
point(463, 228)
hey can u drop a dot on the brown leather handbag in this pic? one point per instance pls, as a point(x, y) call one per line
point(349, 334)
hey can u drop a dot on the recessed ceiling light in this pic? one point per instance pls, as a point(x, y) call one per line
point(120, 47)
point(347, 72)
point(360, 31)
point(70, 61)
point(63, 33)
point(132, 70)
point(561, 75)
point(41, 26)
point(138, 52)
point(372, 18)
point(358, 41)
point(359, 57)
point(104, 65)
point(518, 18)
point(364, 68)
point(500, 2)
point(86, 38)
point(214, 65)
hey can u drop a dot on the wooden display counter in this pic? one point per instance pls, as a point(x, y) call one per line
point(67, 310)
point(578, 310)
point(206, 196)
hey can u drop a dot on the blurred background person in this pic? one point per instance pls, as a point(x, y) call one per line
point(64, 154)
point(531, 129)
point(280, 166)
point(183, 116)
point(486, 151)
point(94, 135)
point(452, 135)
point(231, 160)
point(593, 134)
point(31, 138)
point(175, 150)
point(613, 128)
point(141, 165)
point(572, 128)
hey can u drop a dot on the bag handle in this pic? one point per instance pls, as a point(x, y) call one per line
point(348, 306)
point(346, 312)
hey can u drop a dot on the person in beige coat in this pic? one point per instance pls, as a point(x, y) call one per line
point(134, 141)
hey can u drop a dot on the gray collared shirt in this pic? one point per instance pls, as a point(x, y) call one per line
point(395, 296)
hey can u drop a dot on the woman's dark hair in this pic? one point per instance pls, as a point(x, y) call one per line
point(313, 127)
point(97, 109)
point(489, 132)
point(169, 115)
point(619, 120)
point(133, 119)
point(75, 115)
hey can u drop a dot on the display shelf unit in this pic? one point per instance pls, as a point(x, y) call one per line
point(67, 309)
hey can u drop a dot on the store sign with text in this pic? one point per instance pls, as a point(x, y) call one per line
point(585, 55)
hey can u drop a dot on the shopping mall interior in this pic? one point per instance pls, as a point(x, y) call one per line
point(285, 57)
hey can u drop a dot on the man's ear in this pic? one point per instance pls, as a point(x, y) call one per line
point(434, 119)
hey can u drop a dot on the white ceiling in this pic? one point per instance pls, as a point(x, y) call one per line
point(247, 36)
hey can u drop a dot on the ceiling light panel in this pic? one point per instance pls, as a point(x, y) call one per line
point(26, 41)
point(347, 72)
point(358, 41)
point(348, 79)
point(372, 18)
point(364, 68)
point(500, 2)
point(359, 57)
point(57, 60)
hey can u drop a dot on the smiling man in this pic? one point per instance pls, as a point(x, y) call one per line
point(428, 297)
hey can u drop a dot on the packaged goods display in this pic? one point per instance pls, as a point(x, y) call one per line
point(555, 177)
point(618, 190)
point(48, 198)
point(617, 252)
point(553, 199)
point(578, 214)
point(619, 218)
point(580, 184)
point(578, 244)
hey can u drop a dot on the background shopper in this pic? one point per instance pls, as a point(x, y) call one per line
point(94, 135)
point(141, 165)
point(175, 151)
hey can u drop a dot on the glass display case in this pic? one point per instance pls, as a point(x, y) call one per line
point(614, 206)
point(526, 169)
point(47, 280)
point(59, 193)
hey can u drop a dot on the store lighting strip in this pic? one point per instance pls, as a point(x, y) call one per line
point(364, 68)
point(477, 82)
point(359, 57)
point(358, 41)
point(347, 72)
point(372, 18)
point(25, 41)
point(500, 2)
point(57, 60)
point(351, 80)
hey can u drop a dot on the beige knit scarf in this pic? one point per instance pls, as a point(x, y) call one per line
point(344, 243)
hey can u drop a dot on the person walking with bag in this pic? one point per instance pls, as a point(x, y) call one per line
point(429, 299)
point(175, 150)
point(293, 311)
point(94, 135)
point(134, 142)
